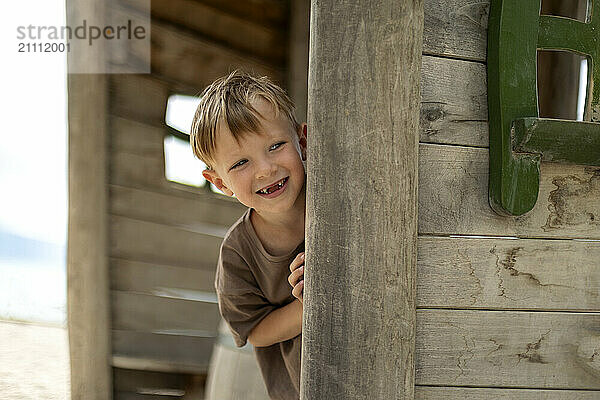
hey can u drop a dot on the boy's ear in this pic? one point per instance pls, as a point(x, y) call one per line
point(302, 139)
point(212, 176)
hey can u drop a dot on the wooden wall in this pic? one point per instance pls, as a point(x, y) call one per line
point(164, 237)
point(497, 317)
point(514, 315)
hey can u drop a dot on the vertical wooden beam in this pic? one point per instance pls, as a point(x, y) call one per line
point(298, 57)
point(87, 263)
point(363, 116)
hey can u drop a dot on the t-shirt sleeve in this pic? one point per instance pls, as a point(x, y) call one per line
point(241, 302)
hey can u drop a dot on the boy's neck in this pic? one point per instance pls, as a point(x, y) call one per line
point(288, 228)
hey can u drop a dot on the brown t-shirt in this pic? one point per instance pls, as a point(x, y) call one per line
point(250, 283)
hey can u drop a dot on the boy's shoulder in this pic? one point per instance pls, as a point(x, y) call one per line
point(233, 268)
point(236, 238)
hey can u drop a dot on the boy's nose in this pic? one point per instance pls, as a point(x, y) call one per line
point(265, 169)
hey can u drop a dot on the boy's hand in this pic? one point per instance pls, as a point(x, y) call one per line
point(296, 278)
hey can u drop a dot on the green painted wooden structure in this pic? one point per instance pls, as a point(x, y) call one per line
point(519, 139)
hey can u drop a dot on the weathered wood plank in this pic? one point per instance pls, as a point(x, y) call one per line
point(136, 153)
point(239, 33)
point(453, 393)
point(196, 62)
point(508, 349)
point(264, 12)
point(135, 276)
point(453, 102)
point(453, 198)
point(146, 313)
point(157, 352)
point(88, 308)
point(363, 86)
point(144, 382)
point(200, 212)
point(138, 97)
point(298, 56)
point(138, 240)
point(521, 274)
point(456, 28)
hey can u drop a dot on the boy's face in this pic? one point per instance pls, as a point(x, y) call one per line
point(265, 170)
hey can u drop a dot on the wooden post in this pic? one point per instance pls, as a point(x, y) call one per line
point(363, 117)
point(87, 263)
point(298, 58)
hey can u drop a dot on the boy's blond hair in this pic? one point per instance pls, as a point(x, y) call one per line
point(227, 101)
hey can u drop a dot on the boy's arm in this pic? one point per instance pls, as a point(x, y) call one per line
point(281, 324)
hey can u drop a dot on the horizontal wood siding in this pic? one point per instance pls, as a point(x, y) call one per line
point(162, 352)
point(453, 198)
point(148, 385)
point(522, 274)
point(163, 315)
point(508, 349)
point(453, 393)
point(239, 33)
point(456, 28)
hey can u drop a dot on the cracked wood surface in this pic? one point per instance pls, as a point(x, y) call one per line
point(522, 274)
point(508, 349)
point(363, 107)
point(453, 198)
point(456, 28)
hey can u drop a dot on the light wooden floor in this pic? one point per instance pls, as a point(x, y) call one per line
point(34, 362)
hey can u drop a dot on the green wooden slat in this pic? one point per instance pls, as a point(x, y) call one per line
point(573, 142)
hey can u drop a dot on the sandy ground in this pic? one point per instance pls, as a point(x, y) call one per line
point(34, 362)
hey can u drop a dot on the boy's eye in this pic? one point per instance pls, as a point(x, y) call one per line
point(276, 146)
point(238, 164)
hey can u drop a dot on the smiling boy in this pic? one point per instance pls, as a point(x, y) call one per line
point(245, 131)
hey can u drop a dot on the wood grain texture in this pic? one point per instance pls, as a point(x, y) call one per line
point(141, 277)
point(264, 12)
point(143, 382)
point(453, 102)
point(298, 56)
point(186, 58)
point(508, 349)
point(456, 28)
point(207, 212)
point(140, 97)
point(163, 315)
point(144, 241)
point(239, 33)
point(160, 352)
point(522, 274)
point(453, 393)
point(365, 62)
point(453, 198)
point(88, 307)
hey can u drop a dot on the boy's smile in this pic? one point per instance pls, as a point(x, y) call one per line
point(263, 170)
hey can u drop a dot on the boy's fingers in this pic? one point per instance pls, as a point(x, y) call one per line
point(299, 260)
point(297, 291)
point(294, 276)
